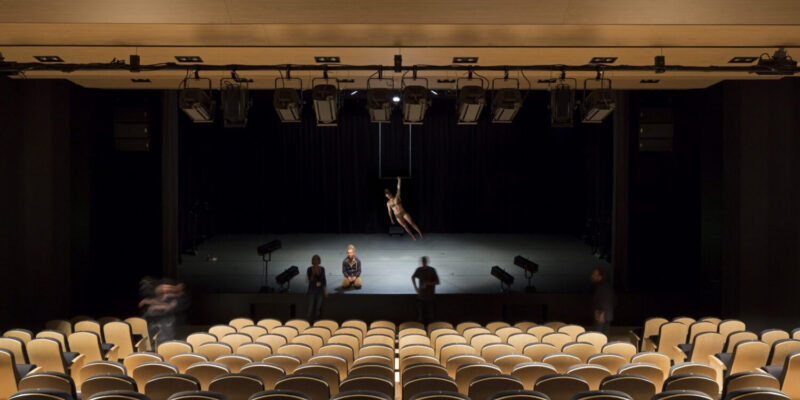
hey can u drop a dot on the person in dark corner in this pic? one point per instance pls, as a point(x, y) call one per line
point(602, 302)
point(317, 288)
point(428, 279)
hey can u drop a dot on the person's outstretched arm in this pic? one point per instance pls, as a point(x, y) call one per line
point(391, 215)
point(397, 196)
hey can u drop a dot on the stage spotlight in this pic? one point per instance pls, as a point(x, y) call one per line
point(470, 103)
point(235, 101)
point(196, 102)
point(284, 277)
point(506, 279)
point(505, 105)
point(530, 268)
point(288, 102)
point(562, 102)
point(779, 64)
point(380, 100)
point(326, 100)
point(268, 248)
point(599, 103)
point(415, 103)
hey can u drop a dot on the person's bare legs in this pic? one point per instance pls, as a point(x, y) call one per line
point(407, 217)
point(405, 226)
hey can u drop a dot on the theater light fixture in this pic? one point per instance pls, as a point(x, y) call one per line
point(415, 99)
point(562, 102)
point(506, 279)
point(325, 95)
point(197, 102)
point(506, 101)
point(380, 99)
point(235, 101)
point(265, 251)
point(779, 64)
point(284, 277)
point(530, 268)
point(288, 101)
point(599, 103)
point(471, 100)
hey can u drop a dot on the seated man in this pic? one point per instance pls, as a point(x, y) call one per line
point(351, 269)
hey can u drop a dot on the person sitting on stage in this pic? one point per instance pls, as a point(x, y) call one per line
point(403, 217)
point(351, 269)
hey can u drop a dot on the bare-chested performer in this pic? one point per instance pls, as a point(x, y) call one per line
point(403, 217)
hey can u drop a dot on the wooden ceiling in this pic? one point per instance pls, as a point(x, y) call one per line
point(499, 32)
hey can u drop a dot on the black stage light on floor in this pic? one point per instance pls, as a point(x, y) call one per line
point(197, 102)
point(562, 102)
point(325, 96)
point(265, 251)
point(379, 99)
point(530, 268)
point(506, 101)
point(416, 99)
point(284, 277)
point(506, 279)
point(288, 101)
point(471, 100)
point(235, 101)
point(599, 103)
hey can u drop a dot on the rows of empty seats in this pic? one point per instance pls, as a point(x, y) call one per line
point(270, 359)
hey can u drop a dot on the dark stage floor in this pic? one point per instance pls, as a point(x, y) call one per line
point(462, 261)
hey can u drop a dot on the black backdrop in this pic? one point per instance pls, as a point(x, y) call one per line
point(273, 177)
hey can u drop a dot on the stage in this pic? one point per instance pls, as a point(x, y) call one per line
point(462, 262)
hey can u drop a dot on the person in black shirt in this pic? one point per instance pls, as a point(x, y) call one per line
point(317, 288)
point(603, 301)
point(428, 279)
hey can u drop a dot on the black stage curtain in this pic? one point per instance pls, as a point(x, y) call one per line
point(273, 177)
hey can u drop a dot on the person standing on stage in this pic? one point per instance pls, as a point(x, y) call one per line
point(317, 288)
point(602, 302)
point(428, 279)
point(403, 217)
point(351, 269)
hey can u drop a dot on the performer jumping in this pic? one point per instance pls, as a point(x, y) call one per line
point(403, 218)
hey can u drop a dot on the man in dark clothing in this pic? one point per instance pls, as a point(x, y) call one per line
point(351, 269)
point(317, 288)
point(603, 301)
point(428, 279)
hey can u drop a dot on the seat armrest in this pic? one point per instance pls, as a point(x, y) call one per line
point(679, 352)
point(113, 353)
point(141, 344)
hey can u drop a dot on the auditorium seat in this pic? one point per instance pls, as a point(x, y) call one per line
point(338, 362)
point(482, 387)
point(378, 338)
point(236, 386)
point(254, 331)
point(256, 351)
point(48, 354)
point(636, 386)
point(197, 395)
point(470, 333)
point(348, 340)
point(650, 328)
point(670, 335)
point(99, 367)
point(602, 395)
point(465, 373)
point(377, 369)
point(299, 324)
point(205, 372)
point(327, 372)
point(682, 395)
point(381, 330)
point(572, 330)
point(21, 334)
point(161, 387)
point(537, 351)
point(145, 371)
point(520, 340)
point(184, 360)
point(416, 359)
point(378, 349)
point(118, 395)
point(106, 382)
point(626, 350)
point(88, 344)
point(529, 372)
point(700, 327)
point(458, 342)
point(491, 351)
point(383, 324)
point(556, 339)
point(279, 395)
point(658, 359)
point(240, 323)
point(133, 360)
point(16, 347)
point(318, 331)
point(684, 320)
point(748, 355)
point(422, 369)
point(705, 345)
point(361, 395)
point(788, 374)
point(41, 394)
point(593, 374)
point(49, 380)
point(221, 330)
point(410, 325)
point(414, 339)
point(88, 325)
point(781, 349)
point(374, 358)
point(356, 323)
point(525, 325)
point(505, 332)
point(692, 367)
point(518, 395)
point(561, 361)
point(55, 335)
point(274, 341)
point(269, 323)
point(647, 370)
point(214, 350)
point(495, 325)
point(235, 340)
point(714, 320)
point(234, 362)
point(327, 323)
point(611, 361)
point(700, 383)
point(748, 379)
point(737, 337)
point(349, 330)
point(756, 394)
point(427, 383)
point(375, 383)
point(461, 327)
point(597, 339)
point(173, 347)
point(11, 373)
point(197, 338)
point(141, 332)
point(507, 362)
point(582, 350)
point(454, 362)
point(728, 326)
point(286, 361)
point(796, 333)
point(60, 325)
point(339, 349)
point(561, 386)
point(554, 325)
point(314, 386)
point(268, 372)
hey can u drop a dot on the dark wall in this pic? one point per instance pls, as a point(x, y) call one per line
point(277, 177)
point(79, 221)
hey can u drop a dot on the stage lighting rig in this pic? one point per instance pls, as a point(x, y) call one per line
point(379, 99)
point(198, 103)
point(530, 268)
point(506, 279)
point(598, 104)
point(471, 100)
point(327, 102)
point(235, 100)
point(288, 102)
point(506, 102)
point(265, 251)
point(284, 277)
point(779, 64)
point(562, 101)
point(416, 100)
